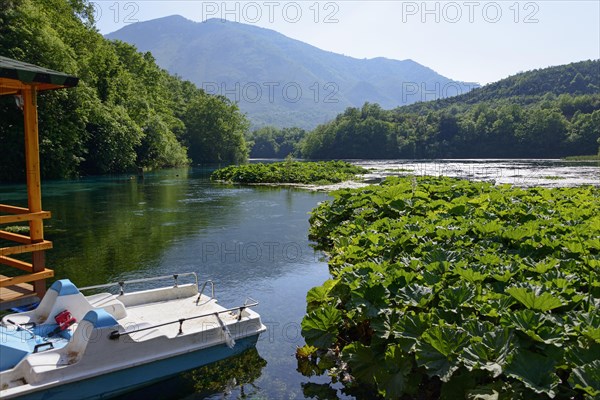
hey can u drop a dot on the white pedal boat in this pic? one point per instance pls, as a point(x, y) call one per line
point(119, 341)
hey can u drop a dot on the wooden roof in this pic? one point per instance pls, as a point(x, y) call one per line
point(16, 75)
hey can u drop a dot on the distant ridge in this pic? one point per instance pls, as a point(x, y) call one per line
point(278, 80)
point(576, 78)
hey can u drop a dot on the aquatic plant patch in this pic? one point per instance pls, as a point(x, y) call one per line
point(323, 172)
point(454, 289)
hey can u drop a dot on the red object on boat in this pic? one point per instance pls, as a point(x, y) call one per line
point(64, 319)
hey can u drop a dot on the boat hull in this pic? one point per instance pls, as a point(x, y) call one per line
point(128, 379)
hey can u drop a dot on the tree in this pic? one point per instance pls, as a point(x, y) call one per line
point(584, 132)
point(215, 130)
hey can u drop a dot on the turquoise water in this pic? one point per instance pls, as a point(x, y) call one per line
point(249, 241)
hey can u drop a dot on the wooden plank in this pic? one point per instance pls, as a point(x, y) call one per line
point(32, 162)
point(38, 260)
point(36, 276)
point(26, 248)
point(13, 262)
point(6, 91)
point(34, 216)
point(34, 184)
point(10, 86)
point(12, 292)
point(15, 237)
point(5, 208)
point(17, 295)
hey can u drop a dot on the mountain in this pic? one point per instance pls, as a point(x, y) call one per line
point(575, 79)
point(277, 80)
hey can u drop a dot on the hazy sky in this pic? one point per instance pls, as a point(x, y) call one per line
point(480, 41)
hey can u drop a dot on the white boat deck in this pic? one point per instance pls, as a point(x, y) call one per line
point(114, 333)
point(153, 314)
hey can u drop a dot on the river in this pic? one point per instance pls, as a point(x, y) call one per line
point(251, 241)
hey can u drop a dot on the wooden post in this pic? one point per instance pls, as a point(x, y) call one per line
point(34, 190)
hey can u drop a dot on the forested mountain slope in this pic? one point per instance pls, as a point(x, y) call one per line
point(575, 79)
point(545, 113)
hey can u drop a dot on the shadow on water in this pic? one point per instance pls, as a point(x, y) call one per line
point(233, 377)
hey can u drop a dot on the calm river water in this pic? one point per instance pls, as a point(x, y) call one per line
point(252, 241)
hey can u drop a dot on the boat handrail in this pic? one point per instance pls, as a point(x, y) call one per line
point(212, 291)
point(250, 302)
point(122, 284)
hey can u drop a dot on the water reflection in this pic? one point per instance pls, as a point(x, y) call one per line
point(233, 377)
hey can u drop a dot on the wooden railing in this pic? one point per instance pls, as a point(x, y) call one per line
point(36, 269)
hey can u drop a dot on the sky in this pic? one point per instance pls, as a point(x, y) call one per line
point(473, 41)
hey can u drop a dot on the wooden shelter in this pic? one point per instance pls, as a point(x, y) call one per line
point(24, 81)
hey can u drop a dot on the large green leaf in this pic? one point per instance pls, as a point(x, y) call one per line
point(536, 326)
point(489, 352)
point(592, 332)
point(524, 320)
point(363, 362)
point(583, 353)
point(589, 324)
point(533, 298)
point(492, 227)
point(439, 350)
point(320, 327)
point(385, 324)
point(535, 371)
point(317, 296)
point(503, 273)
point(587, 378)
point(494, 305)
point(457, 296)
point(415, 295)
point(409, 329)
point(394, 381)
point(546, 265)
point(472, 275)
point(436, 363)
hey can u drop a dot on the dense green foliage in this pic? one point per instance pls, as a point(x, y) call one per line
point(125, 113)
point(215, 130)
point(547, 113)
point(271, 142)
point(455, 289)
point(289, 172)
